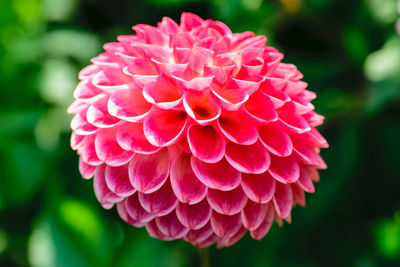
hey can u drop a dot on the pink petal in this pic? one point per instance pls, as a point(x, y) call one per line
point(89, 155)
point(194, 216)
point(81, 126)
point(136, 211)
point(129, 105)
point(227, 202)
point(237, 129)
point(171, 226)
point(163, 93)
point(225, 225)
point(206, 143)
point(102, 192)
point(148, 173)
point(186, 186)
point(190, 21)
point(117, 180)
point(305, 181)
point(291, 121)
point(160, 202)
point(218, 175)
point(298, 195)
point(86, 91)
point(130, 136)
point(86, 170)
point(196, 84)
point(236, 237)
point(312, 138)
point(308, 154)
point(111, 80)
point(163, 127)
point(270, 87)
point(97, 114)
point(284, 170)
point(199, 235)
point(108, 150)
point(201, 108)
point(207, 242)
point(260, 108)
point(253, 214)
point(88, 72)
point(275, 140)
point(248, 159)
point(167, 25)
point(283, 199)
point(259, 188)
point(231, 97)
point(123, 213)
point(155, 232)
point(265, 226)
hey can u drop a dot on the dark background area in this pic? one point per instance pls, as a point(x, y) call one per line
point(349, 54)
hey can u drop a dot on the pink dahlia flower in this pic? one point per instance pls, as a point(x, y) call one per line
point(196, 132)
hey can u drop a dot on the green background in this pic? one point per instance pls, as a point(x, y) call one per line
point(350, 56)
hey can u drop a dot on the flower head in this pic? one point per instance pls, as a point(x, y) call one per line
point(196, 132)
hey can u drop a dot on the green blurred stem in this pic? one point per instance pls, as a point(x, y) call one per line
point(204, 257)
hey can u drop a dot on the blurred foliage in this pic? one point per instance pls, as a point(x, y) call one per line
point(350, 56)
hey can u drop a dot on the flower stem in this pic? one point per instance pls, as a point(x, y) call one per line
point(204, 257)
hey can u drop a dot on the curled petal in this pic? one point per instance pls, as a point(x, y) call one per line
point(163, 128)
point(163, 93)
point(260, 188)
point(86, 170)
point(305, 180)
point(102, 192)
point(237, 129)
point(148, 173)
point(108, 150)
point(185, 184)
point(291, 121)
point(227, 202)
point(206, 143)
point(136, 211)
point(130, 136)
point(154, 231)
point(160, 202)
point(220, 175)
point(275, 140)
point(201, 108)
point(265, 226)
point(170, 226)
point(97, 114)
point(199, 235)
point(248, 159)
point(284, 170)
point(225, 225)
point(253, 214)
point(283, 199)
point(261, 108)
point(194, 216)
point(129, 105)
point(117, 180)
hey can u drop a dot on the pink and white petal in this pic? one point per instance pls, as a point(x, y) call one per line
point(147, 173)
point(97, 114)
point(185, 184)
point(160, 202)
point(283, 199)
point(312, 138)
point(77, 107)
point(135, 209)
point(308, 154)
point(237, 128)
point(130, 136)
point(305, 181)
point(101, 190)
point(201, 108)
point(89, 155)
point(155, 232)
point(270, 87)
point(225, 226)
point(277, 141)
point(81, 126)
point(87, 92)
point(171, 226)
point(163, 93)
point(111, 80)
point(229, 98)
point(165, 127)
point(236, 237)
point(259, 188)
point(199, 235)
point(117, 180)
point(260, 108)
point(123, 213)
point(167, 25)
point(253, 214)
point(284, 170)
point(108, 150)
point(206, 143)
point(207, 242)
point(227, 202)
point(194, 216)
point(248, 158)
point(86, 170)
point(220, 175)
point(298, 195)
point(291, 121)
point(265, 226)
point(190, 21)
point(88, 72)
point(129, 105)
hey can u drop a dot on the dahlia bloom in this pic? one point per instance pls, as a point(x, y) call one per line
point(196, 132)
